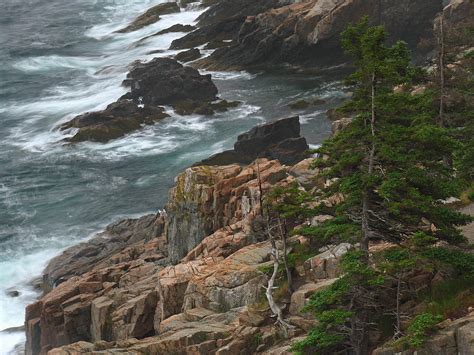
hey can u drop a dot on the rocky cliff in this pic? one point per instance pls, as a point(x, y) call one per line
point(307, 32)
point(191, 279)
point(156, 275)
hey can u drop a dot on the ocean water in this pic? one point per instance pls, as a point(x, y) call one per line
point(61, 58)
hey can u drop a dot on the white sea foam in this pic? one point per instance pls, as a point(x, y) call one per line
point(96, 86)
point(231, 75)
point(10, 341)
point(305, 119)
point(100, 85)
point(55, 62)
point(16, 274)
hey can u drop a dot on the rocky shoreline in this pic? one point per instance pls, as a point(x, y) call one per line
point(191, 278)
point(243, 35)
point(124, 273)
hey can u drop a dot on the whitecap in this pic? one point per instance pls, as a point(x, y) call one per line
point(305, 119)
point(55, 62)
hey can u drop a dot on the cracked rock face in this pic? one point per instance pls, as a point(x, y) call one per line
point(308, 32)
point(116, 287)
point(207, 198)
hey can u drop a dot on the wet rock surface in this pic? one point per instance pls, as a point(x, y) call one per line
point(164, 81)
point(307, 32)
point(189, 55)
point(118, 119)
point(222, 21)
point(151, 16)
point(161, 81)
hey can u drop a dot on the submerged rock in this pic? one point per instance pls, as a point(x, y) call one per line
point(151, 16)
point(12, 292)
point(274, 140)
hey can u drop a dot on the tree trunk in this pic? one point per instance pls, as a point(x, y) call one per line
point(283, 233)
point(365, 199)
point(398, 329)
point(441, 70)
point(447, 160)
point(260, 190)
point(275, 308)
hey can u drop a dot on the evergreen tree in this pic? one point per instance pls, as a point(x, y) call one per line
point(388, 164)
point(388, 161)
point(453, 81)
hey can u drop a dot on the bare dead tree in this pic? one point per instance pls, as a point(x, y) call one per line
point(275, 254)
point(283, 235)
point(260, 190)
point(275, 308)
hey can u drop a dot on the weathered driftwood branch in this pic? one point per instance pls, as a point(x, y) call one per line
point(275, 308)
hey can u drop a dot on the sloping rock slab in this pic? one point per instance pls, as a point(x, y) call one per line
point(151, 16)
point(81, 258)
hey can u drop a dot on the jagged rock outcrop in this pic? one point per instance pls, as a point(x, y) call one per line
point(161, 81)
point(453, 337)
point(83, 257)
point(116, 287)
point(115, 300)
point(223, 21)
point(164, 81)
point(207, 198)
point(308, 32)
point(274, 140)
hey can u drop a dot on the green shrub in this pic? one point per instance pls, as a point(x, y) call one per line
point(420, 327)
point(316, 339)
point(462, 262)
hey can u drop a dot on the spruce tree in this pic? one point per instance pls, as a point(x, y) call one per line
point(389, 160)
point(388, 164)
